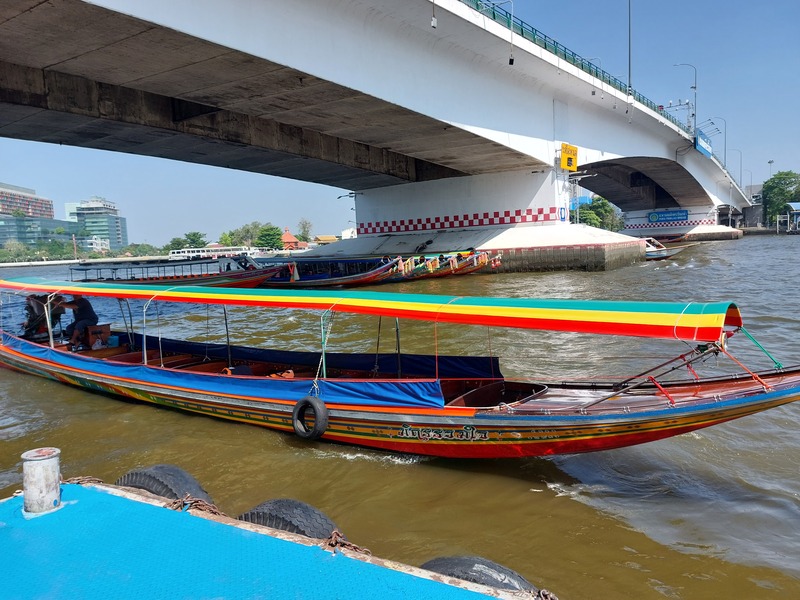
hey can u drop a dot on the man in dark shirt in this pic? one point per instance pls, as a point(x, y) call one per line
point(83, 317)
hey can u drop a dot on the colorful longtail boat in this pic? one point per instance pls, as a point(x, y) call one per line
point(238, 271)
point(426, 404)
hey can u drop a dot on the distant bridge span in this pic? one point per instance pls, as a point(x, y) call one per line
point(433, 127)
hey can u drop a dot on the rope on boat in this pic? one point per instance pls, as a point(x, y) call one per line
point(337, 541)
point(754, 375)
point(764, 350)
point(190, 503)
point(663, 391)
point(709, 349)
point(321, 367)
point(82, 480)
point(703, 350)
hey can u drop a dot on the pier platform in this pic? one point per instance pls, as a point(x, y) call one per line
point(106, 542)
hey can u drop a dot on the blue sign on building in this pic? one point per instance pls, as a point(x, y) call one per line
point(703, 144)
point(668, 216)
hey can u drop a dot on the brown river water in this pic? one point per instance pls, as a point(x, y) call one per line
point(709, 515)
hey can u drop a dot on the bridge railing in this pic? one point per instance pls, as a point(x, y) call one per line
point(516, 25)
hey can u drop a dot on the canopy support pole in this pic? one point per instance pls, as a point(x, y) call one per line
point(397, 348)
point(227, 336)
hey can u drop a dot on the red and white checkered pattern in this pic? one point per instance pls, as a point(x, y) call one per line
point(507, 217)
point(671, 224)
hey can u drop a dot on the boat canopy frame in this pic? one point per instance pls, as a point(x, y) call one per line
point(689, 322)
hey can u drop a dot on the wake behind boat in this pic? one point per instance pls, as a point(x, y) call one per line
point(429, 404)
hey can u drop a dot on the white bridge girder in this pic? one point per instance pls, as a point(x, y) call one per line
point(432, 126)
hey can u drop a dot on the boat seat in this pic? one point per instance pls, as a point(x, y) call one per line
point(486, 395)
point(136, 357)
point(107, 352)
point(93, 333)
point(179, 360)
point(212, 366)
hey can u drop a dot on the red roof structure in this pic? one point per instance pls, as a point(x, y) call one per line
point(289, 241)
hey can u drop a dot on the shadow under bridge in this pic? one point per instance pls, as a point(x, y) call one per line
point(643, 183)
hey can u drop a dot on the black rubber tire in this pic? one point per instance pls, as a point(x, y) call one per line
point(480, 570)
point(318, 409)
point(168, 481)
point(291, 515)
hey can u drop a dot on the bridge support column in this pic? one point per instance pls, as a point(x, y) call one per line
point(522, 217)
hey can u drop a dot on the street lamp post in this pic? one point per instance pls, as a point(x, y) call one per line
point(694, 87)
point(770, 161)
point(740, 164)
point(750, 189)
point(724, 141)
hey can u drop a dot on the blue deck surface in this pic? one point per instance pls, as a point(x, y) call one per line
point(99, 545)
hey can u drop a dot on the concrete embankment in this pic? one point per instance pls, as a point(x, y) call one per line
point(521, 249)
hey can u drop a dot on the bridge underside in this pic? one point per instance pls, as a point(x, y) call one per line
point(85, 76)
point(643, 183)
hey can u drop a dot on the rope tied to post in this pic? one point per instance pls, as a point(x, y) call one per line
point(337, 541)
point(190, 503)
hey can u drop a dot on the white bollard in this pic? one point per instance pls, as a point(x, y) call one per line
point(41, 480)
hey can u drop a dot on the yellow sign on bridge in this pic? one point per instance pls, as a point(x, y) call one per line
point(569, 157)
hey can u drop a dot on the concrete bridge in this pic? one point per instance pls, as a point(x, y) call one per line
point(444, 119)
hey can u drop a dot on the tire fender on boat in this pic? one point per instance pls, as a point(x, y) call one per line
point(315, 406)
point(476, 569)
point(168, 481)
point(291, 515)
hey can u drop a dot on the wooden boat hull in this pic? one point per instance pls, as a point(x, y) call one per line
point(442, 268)
point(237, 279)
point(376, 273)
point(231, 279)
point(537, 426)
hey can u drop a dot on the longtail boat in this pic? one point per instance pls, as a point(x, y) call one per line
point(306, 273)
point(427, 404)
point(238, 271)
point(429, 267)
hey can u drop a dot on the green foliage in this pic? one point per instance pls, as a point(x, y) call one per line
point(18, 213)
point(304, 228)
point(778, 190)
point(600, 213)
point(139, 250)
point(15, 250)
point(195, 239)
point(175, 244)
point(245, 235)
point(269, 236)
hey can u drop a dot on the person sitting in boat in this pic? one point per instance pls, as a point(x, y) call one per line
point(83, 316)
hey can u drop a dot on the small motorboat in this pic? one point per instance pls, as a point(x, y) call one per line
point(655, 250)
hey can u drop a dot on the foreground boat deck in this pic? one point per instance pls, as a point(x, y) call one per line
point(106, 543)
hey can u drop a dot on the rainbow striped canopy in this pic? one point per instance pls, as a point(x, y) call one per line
point(697, 322)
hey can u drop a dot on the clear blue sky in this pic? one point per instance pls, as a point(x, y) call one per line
point(747, 57)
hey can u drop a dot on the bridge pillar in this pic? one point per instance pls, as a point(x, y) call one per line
point(522, 217)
